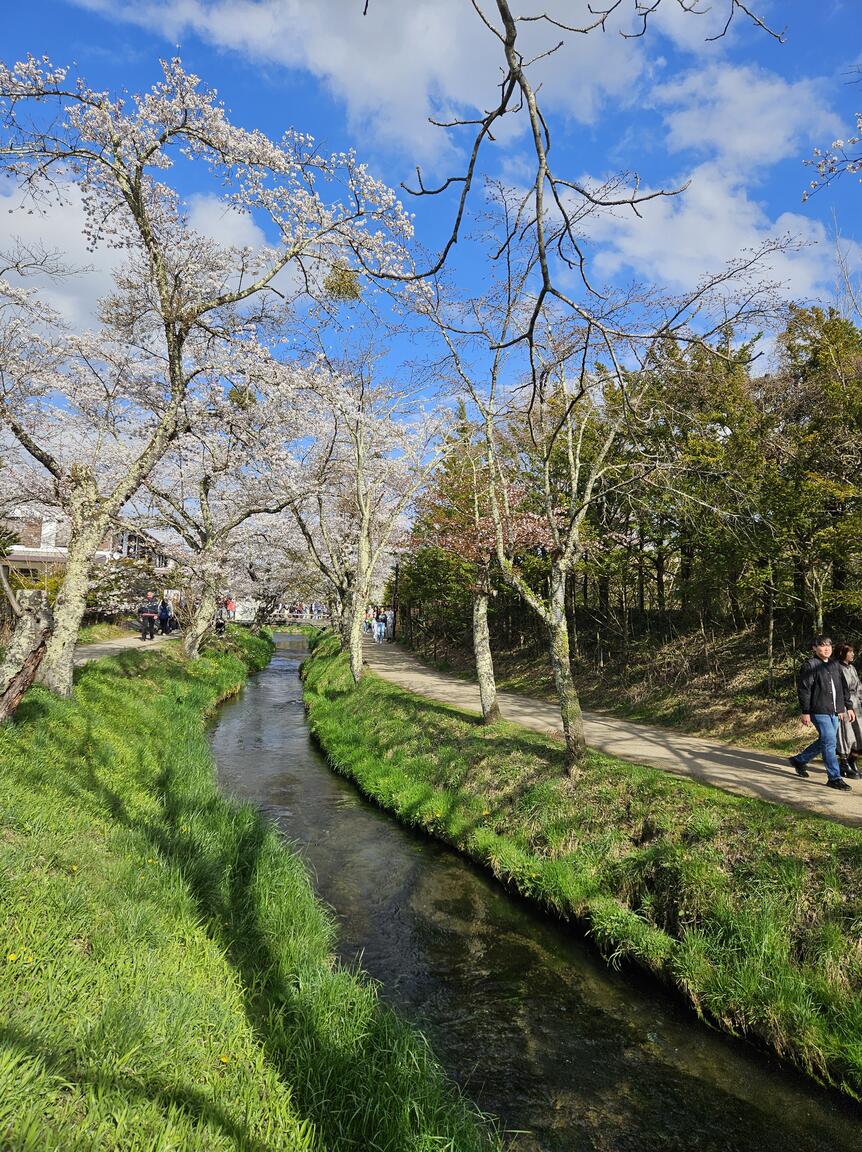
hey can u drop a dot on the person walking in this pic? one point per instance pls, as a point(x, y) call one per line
point(164, 617)
point(850, 731)
point(824, 701)
point(147, 613)
point(379, 627)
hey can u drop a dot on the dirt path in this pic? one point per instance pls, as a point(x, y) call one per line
point(86, 652)
point(741, 770)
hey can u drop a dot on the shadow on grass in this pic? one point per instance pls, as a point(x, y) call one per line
point(354, 1070)
point(195, 1105)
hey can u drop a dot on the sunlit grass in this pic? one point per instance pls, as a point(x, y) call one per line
point(751, 910)
point(166, 975)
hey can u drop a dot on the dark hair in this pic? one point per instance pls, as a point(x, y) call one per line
point(843, 649)
point(821, 639)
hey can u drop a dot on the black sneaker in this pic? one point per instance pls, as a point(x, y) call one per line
point(853, 772)
point(838, 783)
point(798, 766)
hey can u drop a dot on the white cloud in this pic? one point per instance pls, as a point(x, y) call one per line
point(682, 239)
point(57, 226)
point(216, 220)
point(748, 116)
point(405, 60)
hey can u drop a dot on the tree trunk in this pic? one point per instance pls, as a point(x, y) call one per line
point(558, 634)
point(661, 597)
point(770, 633)
point(605, 598)
point(26, 650)
point(56, 669)
point(354, 637)
point(484, 659)
point(201, 623)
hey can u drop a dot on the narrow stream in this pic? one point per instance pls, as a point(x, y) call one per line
point(533, 1025)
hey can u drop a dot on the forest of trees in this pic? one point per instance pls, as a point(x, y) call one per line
point(746, 516)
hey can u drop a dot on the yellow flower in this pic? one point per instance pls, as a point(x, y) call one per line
point(224, 1059)
point(73, 867)
point(28, 959)
point(150, 860)
point(12, 956)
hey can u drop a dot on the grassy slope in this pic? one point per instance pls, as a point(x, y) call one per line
point(166, 979)
point(751, 911)
point(710, 686)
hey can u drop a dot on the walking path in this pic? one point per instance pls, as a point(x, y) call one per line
point(84, 653)
point(741, 770)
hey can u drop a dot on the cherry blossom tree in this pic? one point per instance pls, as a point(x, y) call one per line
point(368, 453)
point(232, 470)
point(96, 413)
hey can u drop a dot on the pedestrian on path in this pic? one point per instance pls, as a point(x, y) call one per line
point(164, 616)
point(824, 701)
point(147, 613)
point(379, 627)
point(850, 732)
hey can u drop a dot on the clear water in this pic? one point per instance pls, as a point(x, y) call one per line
point(524, 1015)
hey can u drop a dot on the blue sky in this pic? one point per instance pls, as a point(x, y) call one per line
point(736, 117)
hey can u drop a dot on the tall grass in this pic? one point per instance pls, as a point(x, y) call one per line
point(751, 910)
point(166, 974)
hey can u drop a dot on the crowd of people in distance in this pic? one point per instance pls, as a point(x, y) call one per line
point(828, 687)
point(302, 610)
point(152, 611)
point(379, 624)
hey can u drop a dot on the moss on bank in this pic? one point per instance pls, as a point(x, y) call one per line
point(166, 975)
point(751, 911)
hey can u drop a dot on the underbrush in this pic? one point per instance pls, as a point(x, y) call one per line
point(751, 911)
point(166, 976)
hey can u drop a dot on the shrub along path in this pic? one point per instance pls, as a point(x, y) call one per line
point(739, 770)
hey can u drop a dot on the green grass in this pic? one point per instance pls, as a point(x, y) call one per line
point(99, 633)
point(166, 974)
point(751, 911)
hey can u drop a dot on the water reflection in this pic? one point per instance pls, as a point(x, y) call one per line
point(535, 1027)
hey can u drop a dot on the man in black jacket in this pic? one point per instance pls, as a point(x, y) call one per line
point(824, 700)
point(147, 613)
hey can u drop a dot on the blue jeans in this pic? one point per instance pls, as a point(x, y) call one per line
point(824, 745)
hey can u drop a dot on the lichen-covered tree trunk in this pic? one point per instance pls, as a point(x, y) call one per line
point(354, 637)
point(558, 634)
point(201, 623)
point(56, 669)
point(26, 650)
point(484, 659)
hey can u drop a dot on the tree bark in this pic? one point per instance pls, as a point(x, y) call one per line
point(484, 659)
point(26, 650)
point(354, 638)
point(201, 623)
point(570, 705)
point(56, 669)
